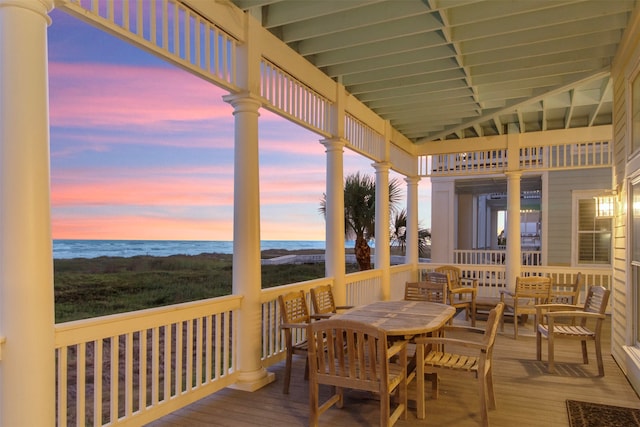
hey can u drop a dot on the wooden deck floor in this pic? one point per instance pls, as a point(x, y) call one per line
point(526, 395)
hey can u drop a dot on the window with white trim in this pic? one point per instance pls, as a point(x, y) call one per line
point(593, 234)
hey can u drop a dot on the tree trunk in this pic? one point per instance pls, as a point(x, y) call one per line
point(363, 254)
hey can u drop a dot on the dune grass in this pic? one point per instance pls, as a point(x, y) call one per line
point(94, 287)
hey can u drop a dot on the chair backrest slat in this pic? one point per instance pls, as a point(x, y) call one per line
point(597, 299)
point(355, 353)
point(433, 289)
point(568, 293)
point(322, 300)
point(454, 273)
point(538, 287)
point(293, 307)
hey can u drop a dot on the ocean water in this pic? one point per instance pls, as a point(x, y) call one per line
point(127, 248)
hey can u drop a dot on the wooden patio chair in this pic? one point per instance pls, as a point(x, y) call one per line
point(529, 292)
point(567, 293)
point(587, 325)
point(324, 305)
point(433, 289)
point(294, 315)
point(348, 354)
point(462, 292)
point(475, 356)
point(428, 290)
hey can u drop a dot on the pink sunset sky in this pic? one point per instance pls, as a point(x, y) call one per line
point(143, 150)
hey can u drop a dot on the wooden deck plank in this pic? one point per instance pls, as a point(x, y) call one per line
point(526, 395)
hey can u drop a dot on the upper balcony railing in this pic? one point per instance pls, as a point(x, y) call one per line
point(168, 28)
point(493, 257)
point(548, 157)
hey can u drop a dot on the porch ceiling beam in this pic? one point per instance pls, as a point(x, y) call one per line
point(605, 90)
point(558, 33)
point(489, 11)
point(423, 89)
point(398, 28)
point(562, 13)
point(423, 56)
point(395, 45)
point(437, 77)
point(544, 70)
point(455, 97)
point(576, 82)
point(548, 60)
point(346, 19)
point(286, 12)
point(541, 139)
point(400, 71)
point(569, 111)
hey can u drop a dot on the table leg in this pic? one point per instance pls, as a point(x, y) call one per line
point(420, 409)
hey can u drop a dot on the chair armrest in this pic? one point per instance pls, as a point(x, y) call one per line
point(556, 307)
point(506, 292)
point(550, 308)
point(469, 282)
point(576, 314)
point(321, 316)
point(293, 325)
point(463, 291)
point(460, 328)
point(396, 348)
point(452, 341)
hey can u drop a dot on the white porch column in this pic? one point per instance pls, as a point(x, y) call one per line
point(246, 243)
point(27, 364)
point(443, 219)
point(514, 251)
point(334, 217)
point(411, 235)
point(382, 254)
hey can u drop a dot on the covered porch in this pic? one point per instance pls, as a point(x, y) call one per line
point(138, 367)
point(526, 395)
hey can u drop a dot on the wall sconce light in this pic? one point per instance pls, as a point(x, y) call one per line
point(606, 204)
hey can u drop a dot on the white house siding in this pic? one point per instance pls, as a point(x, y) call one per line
point(625, 167)
point(561, 184)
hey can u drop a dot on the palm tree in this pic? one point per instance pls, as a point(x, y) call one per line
point(360, 212)
point(399, 234)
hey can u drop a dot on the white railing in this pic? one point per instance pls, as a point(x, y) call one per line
point(273, 345)
point(482, 256)
point(293, 99)
point(168, 28)
point(363, 138)
point(135, 367)
point(401, 274)
point(362, 287)
point(561, 275)
point(492, 278)
point(490, 161)
point(548, 157)
point(587, 154)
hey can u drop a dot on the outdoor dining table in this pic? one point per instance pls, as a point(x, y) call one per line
point(405, 319)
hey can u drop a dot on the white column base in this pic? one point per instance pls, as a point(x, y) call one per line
point(252, 381)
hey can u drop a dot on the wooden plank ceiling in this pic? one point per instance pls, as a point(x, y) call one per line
point(450, 69)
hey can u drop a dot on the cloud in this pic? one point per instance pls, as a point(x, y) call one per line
point(139, 227)
point(93, 95)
